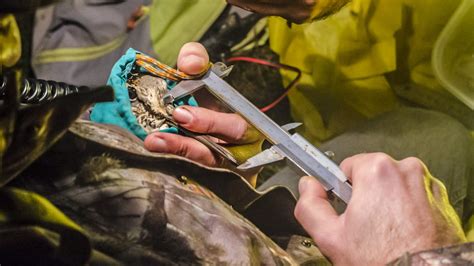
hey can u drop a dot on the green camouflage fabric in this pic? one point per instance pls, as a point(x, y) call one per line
point(142, 208)
point(143, 217)
point(454, 255)
point(123, 211)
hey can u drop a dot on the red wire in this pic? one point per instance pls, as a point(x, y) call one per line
point(273, 65)
point(254, 60)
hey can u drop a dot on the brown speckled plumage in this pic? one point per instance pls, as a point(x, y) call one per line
point(146, 97)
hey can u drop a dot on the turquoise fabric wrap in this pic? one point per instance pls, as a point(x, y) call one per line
point(119, 111)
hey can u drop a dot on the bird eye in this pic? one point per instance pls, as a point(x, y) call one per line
point(132, 94)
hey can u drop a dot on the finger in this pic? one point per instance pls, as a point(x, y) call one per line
point(180, 145)
point(346, 167)
point(369, 168)
point(350, 165)
point(414, 172)
point(229, 127)
point(412, 167)
point(193, 58)
point(314, 212)
point(419, 181)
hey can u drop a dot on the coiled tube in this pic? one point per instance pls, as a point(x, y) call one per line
point(34, 91)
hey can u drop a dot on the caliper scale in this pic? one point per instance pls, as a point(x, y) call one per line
point(299, 153)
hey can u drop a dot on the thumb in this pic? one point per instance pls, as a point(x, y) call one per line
point(193, 58)
point(314, 212)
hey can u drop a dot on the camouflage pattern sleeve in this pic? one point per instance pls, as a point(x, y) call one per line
point(454, 255)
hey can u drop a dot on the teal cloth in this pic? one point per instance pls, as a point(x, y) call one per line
point(119, 111)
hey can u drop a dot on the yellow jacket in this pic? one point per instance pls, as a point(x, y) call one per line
point(10, 46)
point(357, 61)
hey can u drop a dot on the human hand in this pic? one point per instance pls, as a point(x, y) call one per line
point(396, 207)
point(228, 129)
point(297, 11)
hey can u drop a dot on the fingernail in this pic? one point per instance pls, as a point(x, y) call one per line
point(303, 184)
point(159, 144)
point(194, 59)
point(182, 116)
point(195, 64)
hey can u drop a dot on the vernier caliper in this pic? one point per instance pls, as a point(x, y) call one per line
point(299, 153)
